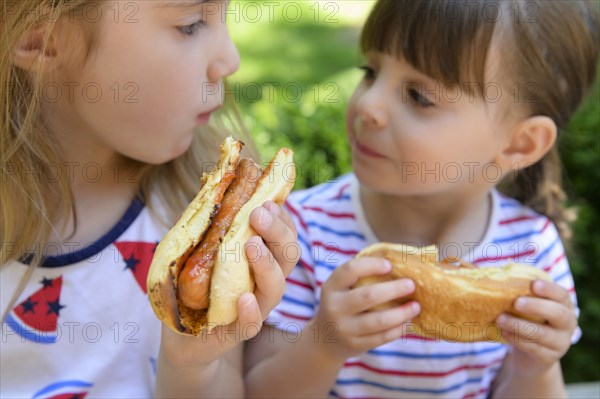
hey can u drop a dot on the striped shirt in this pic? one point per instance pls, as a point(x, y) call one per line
point(332, 229)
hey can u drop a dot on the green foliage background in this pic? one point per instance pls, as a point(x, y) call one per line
point(297, 73)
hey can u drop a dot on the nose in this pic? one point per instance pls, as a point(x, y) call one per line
point(371, 107)
point(226, 62)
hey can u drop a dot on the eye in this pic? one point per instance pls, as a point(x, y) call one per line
point(419, 99)
point(369, 73)
point(189, 30)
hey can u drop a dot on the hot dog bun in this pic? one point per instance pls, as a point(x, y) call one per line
point(457, 303)
point(231, 276)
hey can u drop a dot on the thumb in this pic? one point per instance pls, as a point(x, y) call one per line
point(249, 316)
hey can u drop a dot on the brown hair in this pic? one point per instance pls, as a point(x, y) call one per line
point(553, 52)
point(31, 204)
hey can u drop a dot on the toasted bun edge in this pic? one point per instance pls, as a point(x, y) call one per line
point(183, 237)
point(232, 274)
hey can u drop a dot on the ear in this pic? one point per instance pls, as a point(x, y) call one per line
point(531, 139)
point(32, 54)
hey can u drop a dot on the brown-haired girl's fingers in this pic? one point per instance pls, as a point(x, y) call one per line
point(350, 272)
point(361, 299)
point(374, 340)
point(527, 331)
point(544, 354)
point(545, 289)
point(383, 320)
point(557, 314)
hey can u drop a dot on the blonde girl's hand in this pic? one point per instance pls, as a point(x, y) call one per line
point(538, 346)
point(271, 264)
point(189, 351)
point(345, 309)
point(272, 254)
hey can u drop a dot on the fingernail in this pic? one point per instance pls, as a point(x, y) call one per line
point(264, 217)
point(272, 207)
point(387, 265)
point(520, 304)
point(538, 286)
point(250, 306)
point(247, 302)
point(415, 307)
point(502, 319)
point(409, 285)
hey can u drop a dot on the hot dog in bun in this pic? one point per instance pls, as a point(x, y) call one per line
point(199, 269)
point(458, 303)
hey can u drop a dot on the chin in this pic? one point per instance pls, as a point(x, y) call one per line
point(162, 157)
point(383, 183)
point(176, 151)
point(371, 180)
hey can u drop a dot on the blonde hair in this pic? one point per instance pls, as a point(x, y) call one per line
point(31, 205)
point(552, 57)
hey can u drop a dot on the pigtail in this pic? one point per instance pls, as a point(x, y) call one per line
point(556, 69)
point(539, 186)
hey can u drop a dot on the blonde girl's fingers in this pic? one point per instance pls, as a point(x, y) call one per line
point(249, 318)
point(278, 211)
point(246, 326)
point(270, 221)
point(268, 275)
point(364, 298)
point(278, 236)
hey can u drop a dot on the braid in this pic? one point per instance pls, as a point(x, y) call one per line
point(539, 186)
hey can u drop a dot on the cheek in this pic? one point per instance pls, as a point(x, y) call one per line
point(137, 124)
point(156, 75)
point(160, 95)
point(352, 114)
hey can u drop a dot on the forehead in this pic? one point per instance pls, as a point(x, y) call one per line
point(450, 50)
point(177, 3)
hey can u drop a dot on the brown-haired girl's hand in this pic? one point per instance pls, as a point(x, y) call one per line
point(538, 346)
point(271, 263)
point(343, 316)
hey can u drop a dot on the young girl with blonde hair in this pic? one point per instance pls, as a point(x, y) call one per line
point(103, 138)
point(457, 97)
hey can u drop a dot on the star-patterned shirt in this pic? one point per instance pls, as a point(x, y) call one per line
point(83, 326)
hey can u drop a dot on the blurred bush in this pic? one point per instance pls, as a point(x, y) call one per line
point(580, 152)
point(314, 127)
point(293, 87)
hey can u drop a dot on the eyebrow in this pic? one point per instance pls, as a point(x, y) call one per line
point(180, 4)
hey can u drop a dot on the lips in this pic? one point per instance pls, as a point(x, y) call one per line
point(365, 150)
point(354, 124)
point(204, 118)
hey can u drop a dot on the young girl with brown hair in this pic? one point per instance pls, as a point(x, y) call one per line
point(457, 97)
